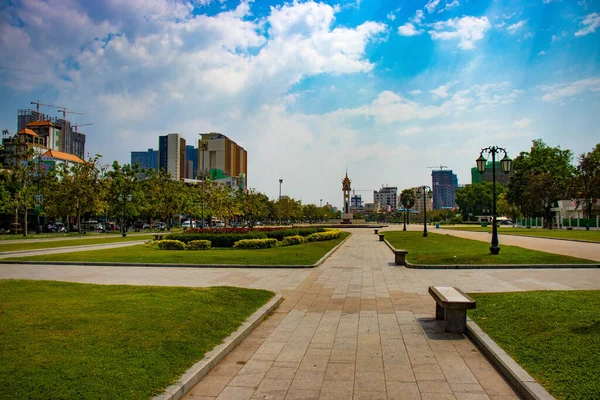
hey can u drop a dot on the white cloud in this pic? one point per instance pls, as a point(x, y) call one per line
point(415, 92)
point(558, 37)
point(442, 91)
point(541, 53)
point(590, 23)
point(562, 91)
point(522, 123)
point(411, 131)
point(408, 29)
point(431, 5)
point(449, 6)
point(512, 29)
point(467, 29)
point(418, 18)
point(391, 16)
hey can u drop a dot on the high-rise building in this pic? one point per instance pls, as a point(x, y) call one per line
point(25, 116)
point(146, 159)
point(444, 185)
point(222, 159)
point(501, 177)
point(356, 201)
point(387, 196)
point(421, 202)
point(191, 154)
point(171, 155)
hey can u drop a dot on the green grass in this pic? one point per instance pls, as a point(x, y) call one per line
point(591, 235)
point(79, 341)
point(440, 249)
point(303, 254)
point(51, 244)
point(554, 335)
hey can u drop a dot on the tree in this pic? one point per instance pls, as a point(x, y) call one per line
point(541, 177)
point(503, 207)
point(585, 184)
point(408, 199)
point(253, 206)
point(476, 199)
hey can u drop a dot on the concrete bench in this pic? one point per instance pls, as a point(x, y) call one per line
point(400, 256)
point(376, 231)
point(381, 235)
point(158, 236)
point(451, 307)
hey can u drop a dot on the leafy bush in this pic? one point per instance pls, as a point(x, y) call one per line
point(292, 240)
point(280, 234)
point(217, 240)
point(255, 244)
point(198, 245)
point(171, 245)
point(150, 243)
point(321, 236)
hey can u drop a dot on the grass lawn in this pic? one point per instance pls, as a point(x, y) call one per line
point(80, 341)
point(591, 235)
point(303, 254)
point(76, 241)
point(441, 249)
point(554, 335)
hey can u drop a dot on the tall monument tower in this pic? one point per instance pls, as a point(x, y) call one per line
point(346, 215)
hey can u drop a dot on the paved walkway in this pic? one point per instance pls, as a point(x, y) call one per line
point(360, 327)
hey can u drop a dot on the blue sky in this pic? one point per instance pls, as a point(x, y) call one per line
point(383, 88)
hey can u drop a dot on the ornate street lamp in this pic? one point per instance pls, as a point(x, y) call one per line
point(506, 165)
point(124, 224)
point(425, 196)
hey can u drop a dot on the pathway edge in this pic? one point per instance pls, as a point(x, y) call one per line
point(199, 370)
point(523, 383)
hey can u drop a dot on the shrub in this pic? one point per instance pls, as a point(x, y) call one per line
point(198, 245)
point(150, 243)
point(255, 244)
point(292, 240)
point(217, 240)
point(280, 234)
point(321, 236)
point(171, 245)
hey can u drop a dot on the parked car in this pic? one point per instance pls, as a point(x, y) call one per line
point(220, 224)
point(188, 224)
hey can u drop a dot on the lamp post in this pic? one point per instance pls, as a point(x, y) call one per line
point(321, 203)
point(124, 226)
point(506, 165)
point(204, 147)
point(280, 182)
point(425, 196)
point(404, 214)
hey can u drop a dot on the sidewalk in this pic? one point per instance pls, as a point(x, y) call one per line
point(357, 327)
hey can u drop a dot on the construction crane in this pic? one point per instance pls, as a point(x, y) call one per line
point(441, 167)
point(78, 125)
point(63, 110)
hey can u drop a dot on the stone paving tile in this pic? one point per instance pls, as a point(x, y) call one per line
point(360, 327)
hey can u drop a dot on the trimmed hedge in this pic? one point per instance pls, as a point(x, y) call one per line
point(292, 240)
point(281, 234)
point(217, 240)
point(171, 245)
point(255, 244)
point(321, 236)
point(198, 245)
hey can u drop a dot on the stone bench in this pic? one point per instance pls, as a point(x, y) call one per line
point(381, 235)
point(376, 231)
point(400, 256)
point(451, 307)
point(158, 236)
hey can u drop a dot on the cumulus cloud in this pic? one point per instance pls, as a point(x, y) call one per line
point(562, 91)
point(521, 123)
point(431, 5)
point(590, 23)
point(442, 91)
point(449, 5)
point(467, 30)
point(408, 29)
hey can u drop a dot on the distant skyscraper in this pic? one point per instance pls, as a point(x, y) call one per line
point(146, 159)
point(171, 155)
point(444, 185)
point(223, 158)
point(420, 203)
point(191, 154)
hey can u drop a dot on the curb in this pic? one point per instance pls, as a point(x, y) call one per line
point(523, 383)
point(495, 266)
point(199, 370)
point(158, 265)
